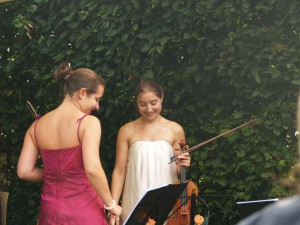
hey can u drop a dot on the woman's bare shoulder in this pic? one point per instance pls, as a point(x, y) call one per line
point(177, 131)
point(174, 125)
point(89, 121)
point(127, 126)
point(126, 132)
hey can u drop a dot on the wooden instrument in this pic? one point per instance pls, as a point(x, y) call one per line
point(181, 211)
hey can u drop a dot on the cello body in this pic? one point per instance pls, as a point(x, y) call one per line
point(180, 214)
point(182, 208)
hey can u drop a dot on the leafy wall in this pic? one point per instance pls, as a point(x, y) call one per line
point(221, 64)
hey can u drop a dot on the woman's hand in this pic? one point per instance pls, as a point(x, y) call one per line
point(114, 215)
point(184, 159)
point(114, 220)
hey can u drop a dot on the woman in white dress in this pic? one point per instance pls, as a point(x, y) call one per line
point(144, 149)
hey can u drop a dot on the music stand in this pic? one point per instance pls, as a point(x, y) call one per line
point(155, 204)
point(246, 208)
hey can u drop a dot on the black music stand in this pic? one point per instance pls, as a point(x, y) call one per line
point(155, 204)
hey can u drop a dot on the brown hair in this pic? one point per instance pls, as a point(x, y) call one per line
point(149, 85)
point(74, 80)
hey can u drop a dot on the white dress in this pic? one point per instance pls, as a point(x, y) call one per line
point(147, 167)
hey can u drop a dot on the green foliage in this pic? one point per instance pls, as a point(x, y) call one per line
point(221, 64)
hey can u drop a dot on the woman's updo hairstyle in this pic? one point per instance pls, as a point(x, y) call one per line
point(147, 85)
point(74, 80)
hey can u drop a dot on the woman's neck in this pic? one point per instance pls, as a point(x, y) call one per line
point(70, 103)
point(156, 120)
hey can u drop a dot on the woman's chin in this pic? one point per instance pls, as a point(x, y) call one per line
point(151, 117)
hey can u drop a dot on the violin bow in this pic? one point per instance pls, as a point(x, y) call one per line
point(174, 158)
point(31, 109)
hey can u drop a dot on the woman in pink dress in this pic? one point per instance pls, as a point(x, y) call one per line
point(75, 189)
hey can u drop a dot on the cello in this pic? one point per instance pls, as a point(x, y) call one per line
point(180, 214)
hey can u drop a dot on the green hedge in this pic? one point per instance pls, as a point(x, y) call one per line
point(221, 64)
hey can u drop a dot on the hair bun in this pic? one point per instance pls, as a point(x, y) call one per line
point(63, 71)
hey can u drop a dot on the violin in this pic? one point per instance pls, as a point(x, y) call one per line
point(181, 211)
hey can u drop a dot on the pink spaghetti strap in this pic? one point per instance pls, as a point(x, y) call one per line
point(79, 122)
point(35, 134)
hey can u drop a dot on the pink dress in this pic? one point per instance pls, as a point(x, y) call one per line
point(67, 196)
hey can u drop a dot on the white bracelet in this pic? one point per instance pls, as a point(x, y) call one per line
point(111, 207)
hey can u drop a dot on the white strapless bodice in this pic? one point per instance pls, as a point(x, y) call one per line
point(147, 167)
